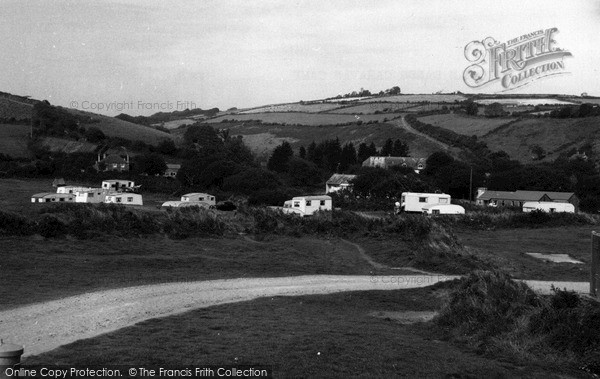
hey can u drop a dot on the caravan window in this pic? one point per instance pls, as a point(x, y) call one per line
point(323, 202)
point(443, 201)
point(435, 211)
point(296, 204)
point(308, 203)
point(130, 199)
point(422, 200)
point(118, 199)
point(91, 194)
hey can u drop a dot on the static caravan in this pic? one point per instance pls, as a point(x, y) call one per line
point(117, 184)
point(414, 202)
point(307, 205)
point(444, 209)
point(71, 189)
point(124, 198)
point(548, 206)
point(92, 195)
point(199, 197)
point(182, 204)
point(51, 197)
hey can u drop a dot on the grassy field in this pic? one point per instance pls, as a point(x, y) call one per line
point(13, 140)
point(37, 269)
point(297, 118)
point(113, 127)
point(353, 334)
point(417, 98)
point(511, 245)
point(10, 108)
point(553, 135)
point(466, 125)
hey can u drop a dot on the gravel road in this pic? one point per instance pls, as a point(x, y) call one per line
point(45, 326)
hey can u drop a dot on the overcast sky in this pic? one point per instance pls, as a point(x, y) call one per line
point(247, 53)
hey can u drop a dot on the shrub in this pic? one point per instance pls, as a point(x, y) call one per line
point(51, 227)
point(14, 224)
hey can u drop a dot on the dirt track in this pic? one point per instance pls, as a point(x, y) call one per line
point(44, 326)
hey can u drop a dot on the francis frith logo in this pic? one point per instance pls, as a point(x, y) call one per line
point(514, 63)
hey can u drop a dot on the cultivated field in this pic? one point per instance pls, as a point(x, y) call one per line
point(297, 118)
point(294, 107)
point(466, 125)
point(522, 101)
point(68, 146)
point(13, 140)
point(373, 107)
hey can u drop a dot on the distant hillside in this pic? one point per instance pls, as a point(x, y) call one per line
point(555, 136)
point(165, 117)
point(13, 140)
point(113, 127)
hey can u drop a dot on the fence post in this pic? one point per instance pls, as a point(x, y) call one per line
point(594, 277)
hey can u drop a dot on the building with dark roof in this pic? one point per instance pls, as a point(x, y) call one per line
point(338, 182)
point(518, 198)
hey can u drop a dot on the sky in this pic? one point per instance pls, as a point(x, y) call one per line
point(139, 57)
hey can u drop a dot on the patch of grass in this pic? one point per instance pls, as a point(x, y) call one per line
point(298, 118)
point(464, 124)
point(306, 336)
point(504, 219)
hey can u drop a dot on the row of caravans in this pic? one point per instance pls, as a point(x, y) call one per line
point(114, 191)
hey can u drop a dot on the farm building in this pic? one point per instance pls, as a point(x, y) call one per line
point(124, 198)
point(307, 205)
point(51, 197)
point(416, 202)
point(172, 170)
point(91, 195)
point(71, 189)
point(338, 182)
point(113, 162)
point(117, 184)
point(548, 206)
point(518, 198)
point(416, 164)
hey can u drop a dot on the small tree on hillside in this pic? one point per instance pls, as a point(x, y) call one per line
point(278, 161)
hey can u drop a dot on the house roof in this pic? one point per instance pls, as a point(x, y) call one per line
point(318, 197)
point(525, 195)
point(173, 166)
point(50, 194)
point(114, 158)
point(340, 179)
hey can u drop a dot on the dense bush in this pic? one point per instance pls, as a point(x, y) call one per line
point(14, 224)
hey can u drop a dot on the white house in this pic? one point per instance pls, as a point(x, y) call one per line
point(117, 184)
point(92, 195)
point(71, 189)
point(124, 198)
point(415, 202)
point(548, 206)
point(444, 209)
point(338, 182)
point(51, 197)
point(307, 205)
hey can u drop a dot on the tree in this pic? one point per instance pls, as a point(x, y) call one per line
point(471, 107)
point(302, 152)
point(303, 173)
point(348, 157)
point(151, 164)
point(388, 148)
point(94, 135)
point(400, 149)
point(250, 180)
point(167, 147)
point(203, 137)
point(236, 151)
point(278, 161)
point(494, 110)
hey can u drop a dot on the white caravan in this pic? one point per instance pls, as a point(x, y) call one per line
point(91, 195)
point(124, 198)
point(198, 199)
point(415, 202)
point(548, 206)
point(307, 205)
point(444, 209)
